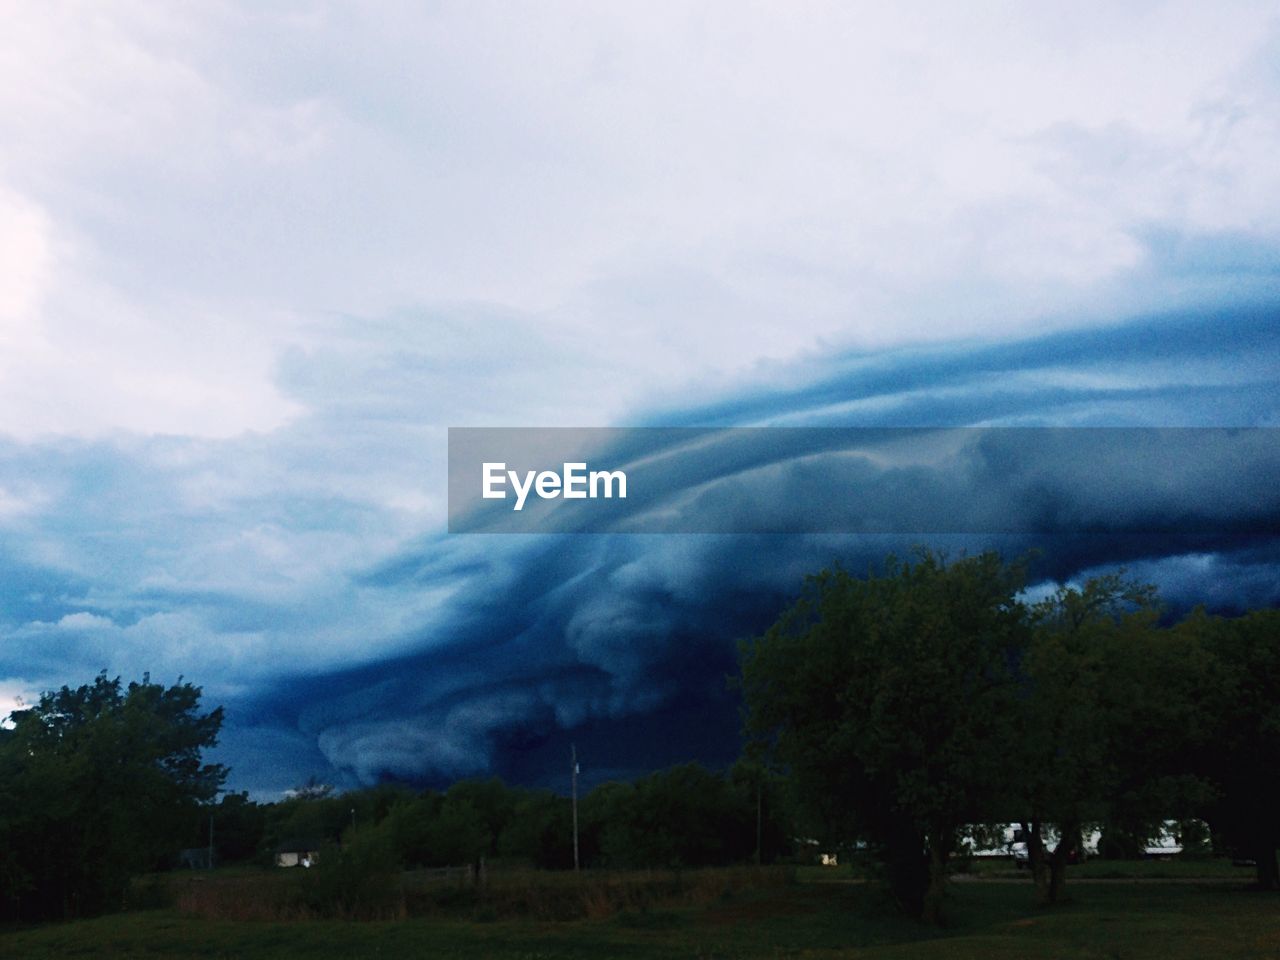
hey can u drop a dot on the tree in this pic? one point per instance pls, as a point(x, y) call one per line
point(437, 830)
point(1077, 681)
point(491, 801)
point(1160, 682)
point(99, 783)
point(682, 816)
point(239, 828)
point(311, 813)
point(1243, 758)
point(540, 830)
point(891, 700)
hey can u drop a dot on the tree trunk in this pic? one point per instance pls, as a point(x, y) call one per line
point(937, 888)
point(906, 868)
point(935, 894)
point(1036, 860)
point(1068, 838)
point(1057, 873)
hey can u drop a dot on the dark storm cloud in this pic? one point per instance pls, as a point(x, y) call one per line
point(623, 642)
point(1203, 367)
point(861, 480)
point(649, 635)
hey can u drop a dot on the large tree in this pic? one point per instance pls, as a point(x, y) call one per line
point(891, 700)
point(1108, 718)
point(98, 783)
point(1243, 755)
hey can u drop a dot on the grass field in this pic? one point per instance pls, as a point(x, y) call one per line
point(1105, 919)
point(1125, 870)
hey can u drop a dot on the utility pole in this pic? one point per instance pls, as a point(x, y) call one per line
point(759, 819)
point(210, 839)
point(573, 758)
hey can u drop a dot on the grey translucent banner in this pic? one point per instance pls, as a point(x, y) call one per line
point(864, 480)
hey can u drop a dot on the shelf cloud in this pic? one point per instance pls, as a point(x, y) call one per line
point(258, 259)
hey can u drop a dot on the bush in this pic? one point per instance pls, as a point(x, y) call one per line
point(1117, 843)
point(357, 884)
point(360, 881)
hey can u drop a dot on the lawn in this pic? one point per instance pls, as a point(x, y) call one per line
point(1105, 919)
point(1173, 869)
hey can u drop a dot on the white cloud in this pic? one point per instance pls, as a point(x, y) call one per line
point(682, 192)
point(25, 253)
point(83, 621)
point(20, 501)
point(15, 694)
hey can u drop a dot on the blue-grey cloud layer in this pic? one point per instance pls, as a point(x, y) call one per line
point(921, 480)
point(623, 642)
point(268, 567)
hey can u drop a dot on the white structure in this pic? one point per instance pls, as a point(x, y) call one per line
point(297, 853)
point(978, 841)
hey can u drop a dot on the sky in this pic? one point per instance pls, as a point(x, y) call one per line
point(257, 258)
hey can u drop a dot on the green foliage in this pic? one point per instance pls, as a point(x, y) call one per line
point(473, 819)
point(1120, 843)
point(1196, 840)
point(482, 808)
point(359, 880)
point(1242, 751)
point(1107, 719)
point(239, 827)
point(905, 703)
point(434, 830)
point(889, 700)
point(310, 815)
point(539, 831)
point(684, 816)
point(97, 784)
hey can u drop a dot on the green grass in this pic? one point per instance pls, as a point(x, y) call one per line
point(1163, 870)
point(992, 921)
point(1217, 869)
point(1003, 868)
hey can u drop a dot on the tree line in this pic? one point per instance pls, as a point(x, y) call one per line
point(683, 816)
point(928, 695)
point(104, 782)
point(885, 714)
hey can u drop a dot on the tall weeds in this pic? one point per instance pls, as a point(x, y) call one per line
point(362, 889)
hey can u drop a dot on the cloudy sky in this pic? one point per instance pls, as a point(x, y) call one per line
point(256, 258)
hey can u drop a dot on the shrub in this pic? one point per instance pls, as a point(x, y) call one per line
point(360, 881)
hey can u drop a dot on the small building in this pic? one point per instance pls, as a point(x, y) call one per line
point(298, 853)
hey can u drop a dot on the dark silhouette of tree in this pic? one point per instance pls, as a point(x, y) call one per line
point(98, 783)
point(1242, 755)
point(889, 699)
